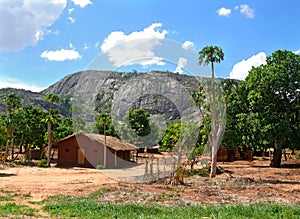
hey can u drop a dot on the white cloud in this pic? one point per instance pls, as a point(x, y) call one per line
point(60, 55)
point(246, 10)
point(297, 52)
point(241, 69)
point(130, 49)
point(14, 83)
point(97, 44)
point(187, 45)
point(82, 3)
point(72, 19)
point(180, 65)
point(23, 22)
point(70, 10)
point(85, 46)
point(225, 12)
point(151, 61)
point(71, 46)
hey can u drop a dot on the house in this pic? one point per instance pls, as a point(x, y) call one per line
point(88, 150)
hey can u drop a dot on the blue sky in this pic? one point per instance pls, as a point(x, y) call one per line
point(41, 41)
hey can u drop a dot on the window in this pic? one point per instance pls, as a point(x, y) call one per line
point(67, 150)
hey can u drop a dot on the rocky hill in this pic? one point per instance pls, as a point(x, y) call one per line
point(157, 92)
point(27, 97)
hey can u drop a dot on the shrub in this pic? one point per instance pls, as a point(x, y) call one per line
point(42, 163)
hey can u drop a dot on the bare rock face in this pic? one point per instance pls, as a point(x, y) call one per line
point(156, 92)
point(161, 93)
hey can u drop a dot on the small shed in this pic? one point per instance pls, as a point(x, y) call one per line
point(88, 150)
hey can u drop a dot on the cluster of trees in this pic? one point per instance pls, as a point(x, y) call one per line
point(262, 112)
point(29, 127)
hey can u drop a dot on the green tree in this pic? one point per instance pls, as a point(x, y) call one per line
point(211, 55)
point(64, 128)
point(3, 135)
point(231, 134)
point(31, 130)
point(139, 121)
point(105, 125)
point(136, 128)
point(12, 102)
point(171, 136)
point(50, 98)
point(273, 103)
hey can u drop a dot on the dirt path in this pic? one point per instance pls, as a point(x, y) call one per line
point(241, 182)
point(38, 183)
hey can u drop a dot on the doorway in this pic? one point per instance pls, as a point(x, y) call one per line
point(81, 156)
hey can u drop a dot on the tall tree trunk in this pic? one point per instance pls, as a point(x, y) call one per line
point(12, 147)
point(276, 161)
point(1, 153)
point(49, 143)
point(214, 148)
point(6, 150)
point(105, 149)
point(21, 144)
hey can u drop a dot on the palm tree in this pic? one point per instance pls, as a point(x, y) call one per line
point(50, 98)
point(211, 55)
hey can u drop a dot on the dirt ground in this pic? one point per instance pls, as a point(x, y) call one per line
point(239, 182)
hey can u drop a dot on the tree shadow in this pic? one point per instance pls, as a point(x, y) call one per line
point(276, 181)
point(7, 174)
point(291, 165)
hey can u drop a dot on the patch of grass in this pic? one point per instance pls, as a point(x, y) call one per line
point(36, 202)
point(88, 207)
point(27, 195)
point(5, 191)
point(6, 195)
point(99, 193)
point(5, 198)
point(10, 209)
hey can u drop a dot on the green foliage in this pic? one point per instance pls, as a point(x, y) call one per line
point(66, 105)
point(31, 130)
point(297, 155)
point(103, 102)
point(52, 98)
point(5, 198)
point(171, 136)
point(268, 104)
point(139, 121)
point(42, 163)
point(210, 54)
point(137, 127)
point(104, 123)
point(231, 138)
point(12, 101)
point(88, 207)
point(204, 171)
point(63, 129)
point(99, 166)
point(12, 209)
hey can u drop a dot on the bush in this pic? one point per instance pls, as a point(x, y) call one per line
point(99, 166)
point(42, 163)
point(204, 171)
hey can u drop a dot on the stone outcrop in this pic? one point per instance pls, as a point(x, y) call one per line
point(157, 92)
